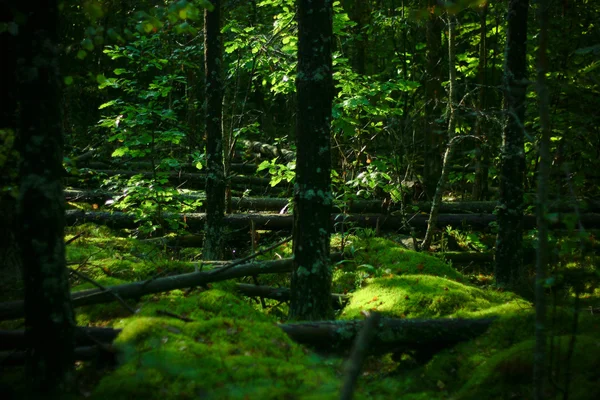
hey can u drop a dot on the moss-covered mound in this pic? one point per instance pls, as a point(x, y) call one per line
point(423, 296)
point(510, 371)
point(214, 357)
point(377, 257)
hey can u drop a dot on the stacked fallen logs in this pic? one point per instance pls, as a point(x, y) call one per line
point(281, 222)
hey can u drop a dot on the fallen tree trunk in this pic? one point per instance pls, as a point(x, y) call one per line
point(240, 168)
point(392, 336)
point(135, 290)
point(270, 151)
point(195, 221)
point(333, 337)
point(84, 336)
point(177, 178)
point(283, 294)
point(354, 206)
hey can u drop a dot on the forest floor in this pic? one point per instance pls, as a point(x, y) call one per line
point(214, 343)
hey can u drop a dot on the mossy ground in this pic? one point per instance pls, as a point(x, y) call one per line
point(233, 348)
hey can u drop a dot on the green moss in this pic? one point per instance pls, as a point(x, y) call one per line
point(422, 296)
point(377, 257)
point(100, 314)
point(202, 306)
point(510, 371)
point(221, 358)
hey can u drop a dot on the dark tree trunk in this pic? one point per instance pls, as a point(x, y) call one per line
point(434, 131)
point(509, 258)
point(10, 266)
point(215, 179)
point(540, 374)
point(480, 185)
point(311, 279)
point(49, 318)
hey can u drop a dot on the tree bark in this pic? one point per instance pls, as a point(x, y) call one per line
point(441, 185)
point(509, 258)
point(49, 317)
point(433, 132)
point(481, 158)
point(540, 374)
point(393, 335)
point(336, 337)
point(311, 278)
point(215, 178)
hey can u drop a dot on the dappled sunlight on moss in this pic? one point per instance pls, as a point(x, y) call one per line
point(378, 257)
point(221, 358)
point(100, 314)
point(510, 371)
point(201, 305)
point(420, 296)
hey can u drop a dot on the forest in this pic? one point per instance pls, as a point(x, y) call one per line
point(300, 199)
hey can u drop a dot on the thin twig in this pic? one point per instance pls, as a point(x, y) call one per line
point(250, 257)
point(104, 289)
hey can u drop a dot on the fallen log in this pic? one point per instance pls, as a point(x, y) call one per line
point(195, 221)
point(464, 257)
point(135, 290)
point(270, 151)
point(84, 336)
point(283, 294)
point(176, 178)
point(240, 168)
point(332, 337)
point(392, 335)
point(376, 206)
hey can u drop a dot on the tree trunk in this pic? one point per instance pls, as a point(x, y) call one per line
point(215, 178)
point(509, 258)
point(311, 279)
point(480, 185)
point(10, 270)
point(49, 317)
point(441, 186)
point(433, 133)
point(540, 374)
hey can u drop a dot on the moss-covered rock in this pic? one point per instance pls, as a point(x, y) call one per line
point(220, 358)
point(423, 296)
point(510, 371)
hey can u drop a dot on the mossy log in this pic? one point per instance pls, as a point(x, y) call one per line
point(423, 336)
point(195, 221)
point(135, 290)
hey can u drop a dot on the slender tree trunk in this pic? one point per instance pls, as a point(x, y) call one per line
point(539, 365)
point(481, 158)
point(311, 279)
point(10, 267)
point(437, 199)
point(215, 179)
point(509, 258)
point(433, 94)
point(49, 318)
